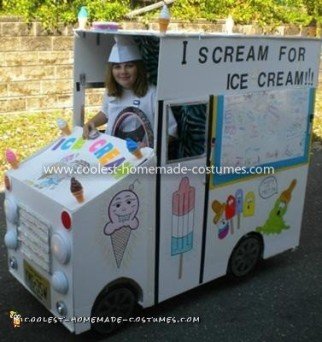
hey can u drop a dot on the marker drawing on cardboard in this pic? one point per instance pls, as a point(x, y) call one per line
point(230, 211)
point(183, 206)
point(233, 206)
point(219, 220)
point(122, 212)
point(239, 195)
point(275, 223)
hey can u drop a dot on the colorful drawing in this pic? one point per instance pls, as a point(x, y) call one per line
point(220, 222)
point(239, 195)
point(249, 204)
point(275, 223)
point(230, 211)
point(122, 212)
point(49, 180)
point(133, 123)
point(52, 178)
point(183, 206)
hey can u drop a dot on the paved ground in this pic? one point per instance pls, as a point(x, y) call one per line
point(282, 302)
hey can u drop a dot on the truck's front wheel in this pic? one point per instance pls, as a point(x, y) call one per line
point(112, 305)
point(245, 256)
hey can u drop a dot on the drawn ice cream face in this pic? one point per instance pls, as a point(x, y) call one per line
point(122, 211)
point(249, 204)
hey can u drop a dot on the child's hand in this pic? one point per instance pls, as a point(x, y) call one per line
point(89, 126)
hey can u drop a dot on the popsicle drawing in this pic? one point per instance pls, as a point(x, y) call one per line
point(220, 222)
point(239, 195)
point(230, 211)
point(183, 206)
point(249, 204)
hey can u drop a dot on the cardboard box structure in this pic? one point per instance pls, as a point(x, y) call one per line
point(242, 103)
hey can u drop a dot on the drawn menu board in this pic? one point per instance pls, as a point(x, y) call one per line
point(264, 128)
point(268, 128)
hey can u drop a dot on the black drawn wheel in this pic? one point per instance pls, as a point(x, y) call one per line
point(118, 302)
point(245, 256)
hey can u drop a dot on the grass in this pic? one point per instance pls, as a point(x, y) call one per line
point(27, 133)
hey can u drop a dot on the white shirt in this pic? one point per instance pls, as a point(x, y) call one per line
point(130, 113)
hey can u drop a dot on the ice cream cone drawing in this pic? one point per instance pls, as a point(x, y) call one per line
point(230, 210)
point(219, 220)
point(275, 223)
point(183, 207)
point(122, 212)
point(249, 204)
point(239, 195)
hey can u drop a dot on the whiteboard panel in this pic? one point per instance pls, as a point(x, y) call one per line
point(268, 128)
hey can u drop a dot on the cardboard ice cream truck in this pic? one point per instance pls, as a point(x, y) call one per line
point(89, 245)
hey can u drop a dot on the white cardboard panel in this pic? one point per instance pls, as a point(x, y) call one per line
point(187, 66)
point(218, 250)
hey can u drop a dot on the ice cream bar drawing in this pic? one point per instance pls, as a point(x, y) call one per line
point(230, 211)
point(183, 206)
point(249, 204)
point(239, 195)
point(220, 222)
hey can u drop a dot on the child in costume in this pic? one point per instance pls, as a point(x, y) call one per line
point(129, 101)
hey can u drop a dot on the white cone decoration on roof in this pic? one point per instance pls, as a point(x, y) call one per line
point(229, 25)
point(82, 18)
point(164, 19)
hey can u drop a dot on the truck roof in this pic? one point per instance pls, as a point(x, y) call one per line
point(188, 34)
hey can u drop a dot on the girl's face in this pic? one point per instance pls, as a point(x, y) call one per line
point(125, 74)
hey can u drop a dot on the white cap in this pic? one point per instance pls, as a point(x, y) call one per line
point(124, 50)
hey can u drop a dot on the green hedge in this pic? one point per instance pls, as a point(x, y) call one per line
point(50, 12)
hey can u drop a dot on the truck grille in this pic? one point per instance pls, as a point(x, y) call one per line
point(34, 237)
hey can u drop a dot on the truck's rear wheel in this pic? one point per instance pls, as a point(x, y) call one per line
point(115, 303)
point(245, 256)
